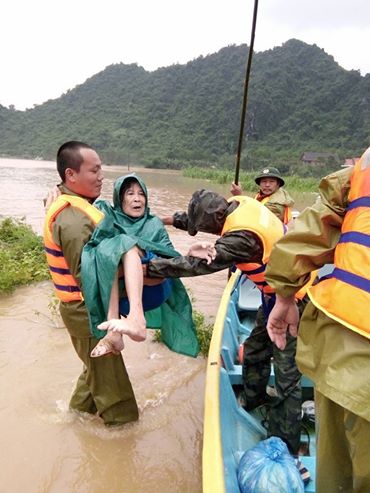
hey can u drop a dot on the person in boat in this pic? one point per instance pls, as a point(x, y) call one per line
point(333, 347)
point(271, 193)
point(247, 231)
point(165, 304)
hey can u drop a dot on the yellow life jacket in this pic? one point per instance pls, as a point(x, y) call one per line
point(345, 295)
point(65, 285)
point(252, 216)
point(287, 210)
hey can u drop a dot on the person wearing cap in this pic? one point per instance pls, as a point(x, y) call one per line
point(271, 193)
point(333, 347)
point(246, 233)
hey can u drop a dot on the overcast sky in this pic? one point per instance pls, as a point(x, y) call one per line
point(48, 47)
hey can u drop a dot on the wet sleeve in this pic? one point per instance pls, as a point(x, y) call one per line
point(240, 246)
point(180, 220)
point(71, 231)
point(311, 242)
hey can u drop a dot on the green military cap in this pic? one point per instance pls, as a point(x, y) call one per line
point(270, 173)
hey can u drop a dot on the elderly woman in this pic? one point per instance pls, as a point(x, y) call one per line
point(128, 234)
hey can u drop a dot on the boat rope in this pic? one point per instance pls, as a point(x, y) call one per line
point(245, 93)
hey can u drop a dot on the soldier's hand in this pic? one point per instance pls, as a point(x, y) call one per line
point(283, 317)
point(236, 189)
point(204, 250)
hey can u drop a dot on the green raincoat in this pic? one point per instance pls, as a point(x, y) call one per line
point(114, 236)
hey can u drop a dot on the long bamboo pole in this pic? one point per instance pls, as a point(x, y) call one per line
point(245, 93)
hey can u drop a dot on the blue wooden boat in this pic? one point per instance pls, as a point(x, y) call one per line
point(228, 429)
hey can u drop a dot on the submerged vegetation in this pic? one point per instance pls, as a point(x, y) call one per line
point(22, 258)
point(203, 330)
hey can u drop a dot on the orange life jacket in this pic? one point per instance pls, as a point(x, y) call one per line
point(287, 210)
point(345, 295)
point(65, 285)
point(253, 216)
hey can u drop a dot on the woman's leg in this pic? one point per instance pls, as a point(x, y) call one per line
point(112, 342)
point(134, 325)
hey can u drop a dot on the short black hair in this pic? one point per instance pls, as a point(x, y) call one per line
point(69, 156)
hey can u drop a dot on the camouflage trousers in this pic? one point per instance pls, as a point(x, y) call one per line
point(284, 410)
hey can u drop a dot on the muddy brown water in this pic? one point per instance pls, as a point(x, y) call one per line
point(45, 448)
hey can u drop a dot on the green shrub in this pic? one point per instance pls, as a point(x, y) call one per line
point(22, 258)
point(204, 332)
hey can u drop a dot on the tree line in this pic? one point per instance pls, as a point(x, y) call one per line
point(300, 100)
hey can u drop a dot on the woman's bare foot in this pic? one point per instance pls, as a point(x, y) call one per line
point(134, 328)
point(112, 343)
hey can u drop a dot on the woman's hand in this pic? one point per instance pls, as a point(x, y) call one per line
point(204, 250)
point(52, 195)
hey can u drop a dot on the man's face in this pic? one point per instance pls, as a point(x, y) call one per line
point(134, 200)
point(88, 180)
point(268, 186)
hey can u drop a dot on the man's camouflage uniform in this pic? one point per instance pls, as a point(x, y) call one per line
point(233, 248)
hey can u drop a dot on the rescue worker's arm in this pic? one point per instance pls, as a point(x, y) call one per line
point(235, 247)
point(312, 242)
point(284, 317)
point(307, 247)
point(179, 220)
point(72, 229)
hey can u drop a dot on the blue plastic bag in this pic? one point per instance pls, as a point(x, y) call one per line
point(269, 468)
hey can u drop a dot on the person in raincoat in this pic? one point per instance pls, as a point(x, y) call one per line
point(246, 232)
point(271, 193)
point(333, 347)
point(126, 225)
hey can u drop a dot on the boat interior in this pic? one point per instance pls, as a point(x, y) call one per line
point(246, 429)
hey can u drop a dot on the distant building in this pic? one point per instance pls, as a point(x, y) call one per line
point(319, 158)
point(351, 161)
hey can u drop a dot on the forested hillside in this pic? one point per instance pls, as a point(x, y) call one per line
point(300, 100)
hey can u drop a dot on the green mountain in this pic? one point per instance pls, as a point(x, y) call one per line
point(300, 100)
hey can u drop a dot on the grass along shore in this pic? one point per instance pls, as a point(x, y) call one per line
point(246, 180)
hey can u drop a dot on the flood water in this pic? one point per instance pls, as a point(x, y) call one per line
point(45, 448)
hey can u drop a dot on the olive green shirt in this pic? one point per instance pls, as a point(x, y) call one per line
point(72, 229)
point(334, 357)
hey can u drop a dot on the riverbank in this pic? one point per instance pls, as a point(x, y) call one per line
point(222, 177)
point(22, 258)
